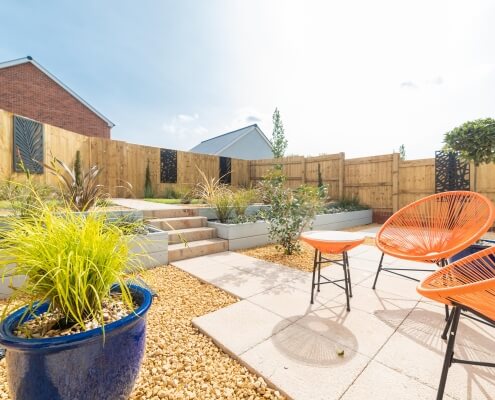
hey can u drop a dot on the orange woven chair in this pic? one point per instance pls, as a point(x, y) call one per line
point(467, 285)
point(434, 228)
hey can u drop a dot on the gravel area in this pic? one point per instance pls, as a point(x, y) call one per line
point(180, 362)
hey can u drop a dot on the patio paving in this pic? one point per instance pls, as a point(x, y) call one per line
point(387, 347)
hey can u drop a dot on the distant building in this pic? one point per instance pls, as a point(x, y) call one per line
point(249, 143)
point(29, 90)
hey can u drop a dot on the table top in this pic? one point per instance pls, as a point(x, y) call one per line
point(333, 236)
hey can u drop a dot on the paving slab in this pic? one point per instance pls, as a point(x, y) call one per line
point(403, 287)
point(369, 333)
point(240, 326)
point(380, 382)
point(390, 339)
point(305, 365)
point(287, 301)
point(377, 301)
point(416, 350)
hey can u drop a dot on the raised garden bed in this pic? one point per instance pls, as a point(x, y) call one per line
point(210, 214)
point(253, 234)
point(153, 246)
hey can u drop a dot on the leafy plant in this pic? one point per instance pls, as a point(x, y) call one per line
point(290, 212)
point(148, 186)
point(241, 200)
point(474, 140)
point(80, 197)
point(21, 196)
point(172, 193)
point(346, 203)
point(279, 142)
point(215, 194)
point(402, 152)
point(70, 260)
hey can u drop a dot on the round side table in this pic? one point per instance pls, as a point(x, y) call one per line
point(332, 242)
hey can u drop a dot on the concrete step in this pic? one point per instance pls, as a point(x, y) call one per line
point(171, 213)
point(195, 249)
point(170, 224)
point(191, 234)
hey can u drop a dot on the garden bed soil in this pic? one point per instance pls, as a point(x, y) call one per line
point(180, 362)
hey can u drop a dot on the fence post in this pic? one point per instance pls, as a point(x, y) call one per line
point(395, 181)
point(341, 174)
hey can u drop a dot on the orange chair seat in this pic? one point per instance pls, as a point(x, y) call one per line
point(437, 226)
point(332, 242)
point(468, 282)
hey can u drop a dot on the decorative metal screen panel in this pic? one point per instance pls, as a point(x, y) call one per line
point(451, 173)
point(28, 145)
point(168, 166)
point(225, 170)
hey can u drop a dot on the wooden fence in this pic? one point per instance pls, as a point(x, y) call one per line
point(121, 163)
point(385, 183)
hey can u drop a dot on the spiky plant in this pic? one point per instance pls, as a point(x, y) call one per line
point(70, 261)
point(80, 196)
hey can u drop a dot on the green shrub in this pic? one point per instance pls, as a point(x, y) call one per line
point(241, 200)
point(216, 195)
point(346, 203)
point(290, 212)
point(148, 186)
point(70, 260)
point(171, 193)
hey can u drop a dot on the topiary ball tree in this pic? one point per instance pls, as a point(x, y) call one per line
point(474, 140)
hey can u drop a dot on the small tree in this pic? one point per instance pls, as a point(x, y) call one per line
point(402, 152)
point(148, 186)
point(290, 211)
point(474, 140)
point(279, 142)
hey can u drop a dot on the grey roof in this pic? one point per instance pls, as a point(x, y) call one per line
point(219, 143)
point(29, 59)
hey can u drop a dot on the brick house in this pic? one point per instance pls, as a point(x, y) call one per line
point(29, 90)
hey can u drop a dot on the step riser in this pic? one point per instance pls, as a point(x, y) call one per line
point(190, 252)
point(172, 213)
point(185, 223)
point(191, 236)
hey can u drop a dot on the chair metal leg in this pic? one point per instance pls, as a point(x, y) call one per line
point(346, 280)
point(348, 276)
point(313, 280)
point(447, 325)
point(378, 271)
point(449, 354)
point(319, 270)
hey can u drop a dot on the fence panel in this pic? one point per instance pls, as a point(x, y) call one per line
point(416, 180)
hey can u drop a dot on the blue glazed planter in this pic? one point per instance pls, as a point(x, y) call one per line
point(474, 248)
point(81, 366)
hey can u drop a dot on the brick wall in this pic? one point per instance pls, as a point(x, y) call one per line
point(27, 91)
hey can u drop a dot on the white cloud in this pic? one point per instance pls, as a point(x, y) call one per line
point(184, 130)
point(245, 116)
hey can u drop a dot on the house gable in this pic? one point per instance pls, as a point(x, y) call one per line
point(28, 90)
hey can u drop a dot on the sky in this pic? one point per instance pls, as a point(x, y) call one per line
point(360, 77)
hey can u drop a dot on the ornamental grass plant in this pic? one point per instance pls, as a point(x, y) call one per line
point(70, 261)
point(216, 195)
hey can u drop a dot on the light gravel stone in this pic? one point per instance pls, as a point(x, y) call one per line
point(180, 362)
